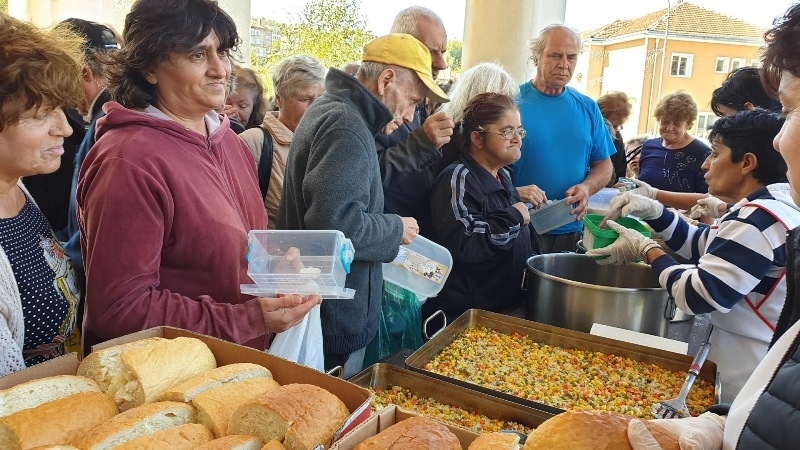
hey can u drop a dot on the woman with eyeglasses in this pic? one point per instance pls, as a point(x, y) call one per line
point(477, 212)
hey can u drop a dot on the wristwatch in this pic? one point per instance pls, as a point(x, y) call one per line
point(647, 248)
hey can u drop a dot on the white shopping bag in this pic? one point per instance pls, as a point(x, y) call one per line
point(302, 343)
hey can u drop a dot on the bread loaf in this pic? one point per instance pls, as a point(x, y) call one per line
point(273, 445)
point(298, 415)
point(182, 437)
point(103, 366)
point(215, 407)
point(231, 373)
point(56, 422)
point(142, 373)
point(55, 447)
point(496, 441)
point(234, 442)
point(414, 433)
point(36, 392)
point(133, 423)
point(590, 429)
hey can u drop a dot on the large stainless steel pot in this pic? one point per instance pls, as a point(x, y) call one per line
point(572, 291)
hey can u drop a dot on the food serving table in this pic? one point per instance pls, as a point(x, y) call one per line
point(558, 337)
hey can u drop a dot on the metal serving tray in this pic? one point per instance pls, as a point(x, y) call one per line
point(384, 376)
point(560, 337)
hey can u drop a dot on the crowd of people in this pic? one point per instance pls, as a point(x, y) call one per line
point(133, 167)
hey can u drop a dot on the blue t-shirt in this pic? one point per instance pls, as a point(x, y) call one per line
point(566, 133)
point(674, 170)
point(46, 281)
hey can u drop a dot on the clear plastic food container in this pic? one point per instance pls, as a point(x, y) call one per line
point(422, 267)
point(299, 262)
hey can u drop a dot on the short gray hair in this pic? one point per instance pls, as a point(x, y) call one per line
point(537, 44)
point(406, 20)
point(370, 71)
point(485, 77)
point(295, 74)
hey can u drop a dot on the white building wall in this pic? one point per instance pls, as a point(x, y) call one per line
point(624, 73)
point(579, 76)
point(44, 13)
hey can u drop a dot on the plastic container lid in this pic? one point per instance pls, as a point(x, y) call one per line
point(422, 267)
point(602, 237)
point(551, 215)
point(599, 203)
point(321, 267)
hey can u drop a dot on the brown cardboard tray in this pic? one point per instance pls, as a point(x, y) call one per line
point(548, 334)
point(356, 398)
point(384, 376)
point(386, 418)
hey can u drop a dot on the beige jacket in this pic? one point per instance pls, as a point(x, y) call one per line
point(281, 140)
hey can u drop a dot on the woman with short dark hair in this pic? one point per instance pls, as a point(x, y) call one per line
point(168, 193)
point(741, 91)
point(478, 214)
point(739, 263)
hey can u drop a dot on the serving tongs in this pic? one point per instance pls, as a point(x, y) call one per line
point(676, 407)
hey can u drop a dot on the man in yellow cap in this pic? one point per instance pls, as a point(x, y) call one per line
point(407, 156)
point(333, 181)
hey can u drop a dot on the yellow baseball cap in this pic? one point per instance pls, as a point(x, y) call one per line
point(405, 50)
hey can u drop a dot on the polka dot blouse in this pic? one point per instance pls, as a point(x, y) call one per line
point(46, 281)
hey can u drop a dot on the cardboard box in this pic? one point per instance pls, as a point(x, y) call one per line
point(387, 417)
point(357, 399)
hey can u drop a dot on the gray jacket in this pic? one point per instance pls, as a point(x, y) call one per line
point(333, 183)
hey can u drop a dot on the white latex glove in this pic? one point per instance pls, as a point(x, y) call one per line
point(644, 189)
point(629, 247)
point(629, 203)
point(693, 433)
point(709, 206)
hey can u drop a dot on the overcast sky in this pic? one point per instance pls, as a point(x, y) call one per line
point(580, 14)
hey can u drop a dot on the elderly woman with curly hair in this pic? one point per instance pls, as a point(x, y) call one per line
point(39, 77)
point(672, 162)
point(615, 108)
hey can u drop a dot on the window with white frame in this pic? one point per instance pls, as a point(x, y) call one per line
point(681, 65)
point(755, 62)
point(737, 63)
point(704, 122)
point(721, 64)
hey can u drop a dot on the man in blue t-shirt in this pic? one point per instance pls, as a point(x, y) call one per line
point(568, 148)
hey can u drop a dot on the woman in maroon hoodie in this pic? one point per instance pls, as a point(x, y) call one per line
point(168, 193)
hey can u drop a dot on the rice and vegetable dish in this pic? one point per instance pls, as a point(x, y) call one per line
point(563, 378)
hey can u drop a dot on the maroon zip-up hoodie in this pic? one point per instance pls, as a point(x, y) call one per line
point(164, 214)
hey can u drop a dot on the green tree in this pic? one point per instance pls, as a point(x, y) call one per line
point(454, 50)
point(333, 31)
point(4, 6)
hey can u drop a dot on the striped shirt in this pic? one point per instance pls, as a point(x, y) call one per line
point(740, 263)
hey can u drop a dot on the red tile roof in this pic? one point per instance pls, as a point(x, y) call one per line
point(684, 18)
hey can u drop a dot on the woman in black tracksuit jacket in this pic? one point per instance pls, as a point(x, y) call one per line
point(478, 215)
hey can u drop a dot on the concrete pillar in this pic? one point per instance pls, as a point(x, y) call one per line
point(18, 9)
point(39, 12)
point(498, 31)
point(239, 10)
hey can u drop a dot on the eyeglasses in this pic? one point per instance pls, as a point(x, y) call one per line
point(508, 134)
point(631, 155)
